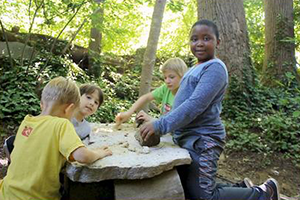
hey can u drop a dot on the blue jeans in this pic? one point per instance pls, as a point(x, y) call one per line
point(198, 178)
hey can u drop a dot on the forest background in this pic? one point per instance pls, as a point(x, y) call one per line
point(120, 45)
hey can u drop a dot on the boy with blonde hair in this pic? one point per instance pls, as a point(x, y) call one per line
point(173, 70)
point(44, 143)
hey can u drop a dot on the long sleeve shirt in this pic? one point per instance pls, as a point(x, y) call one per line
point(197, 105)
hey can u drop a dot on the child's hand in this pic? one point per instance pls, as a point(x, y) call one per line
point(103, 151)
point(122, 117)
point(147, 130)
point(103, 147)
point(143, 116)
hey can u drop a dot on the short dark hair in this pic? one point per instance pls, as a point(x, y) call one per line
point(89, 89)
point(209, 24)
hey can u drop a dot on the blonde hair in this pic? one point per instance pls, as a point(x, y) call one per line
point(61, 91)
point(175, 64)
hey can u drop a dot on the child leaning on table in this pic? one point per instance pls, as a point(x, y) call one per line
point(197, 126)
point(173, 70)
point(90, 100)
point(44, 143)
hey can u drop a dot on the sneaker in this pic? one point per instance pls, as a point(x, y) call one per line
point(271, 187)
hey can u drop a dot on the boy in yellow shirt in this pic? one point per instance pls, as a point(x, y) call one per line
point(44, 143)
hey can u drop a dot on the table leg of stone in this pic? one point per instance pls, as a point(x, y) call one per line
point(164, 186)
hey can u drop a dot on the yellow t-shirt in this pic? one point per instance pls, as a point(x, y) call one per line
point(41, 148)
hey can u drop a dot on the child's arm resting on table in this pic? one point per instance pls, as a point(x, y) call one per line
point(86, 156)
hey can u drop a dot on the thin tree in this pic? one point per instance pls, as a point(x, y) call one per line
point(150, 53)
point(96, 37)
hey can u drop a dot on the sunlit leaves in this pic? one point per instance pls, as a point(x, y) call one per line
point(175, 30)
point(255, 23)
point(125, 25)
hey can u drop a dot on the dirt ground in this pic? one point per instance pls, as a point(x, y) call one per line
point(259, 168)
point(235, 166)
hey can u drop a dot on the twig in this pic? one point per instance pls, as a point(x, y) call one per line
point(73, 37)
point(29, 33)
point(29, 6)
point(6, 41)
point(52, 47)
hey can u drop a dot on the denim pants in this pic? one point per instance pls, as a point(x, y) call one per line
point(198, 178)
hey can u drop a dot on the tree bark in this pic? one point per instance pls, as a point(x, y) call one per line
point(150, 53)
point(96, 40)
point(96, 35)
point(234, 49)
point(279, 41)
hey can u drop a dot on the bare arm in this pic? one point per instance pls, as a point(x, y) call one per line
point(124, 116)
point(86, 156)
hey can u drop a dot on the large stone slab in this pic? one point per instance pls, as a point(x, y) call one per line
point(129, 160)
point(165, 186)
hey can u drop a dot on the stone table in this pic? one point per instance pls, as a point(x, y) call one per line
point(136, 172)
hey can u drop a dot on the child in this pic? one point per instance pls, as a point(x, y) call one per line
point(44, 143)
point(90, 100)
point(196, 124)
point(173, 70)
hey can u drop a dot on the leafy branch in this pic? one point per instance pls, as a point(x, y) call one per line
point(55, 40)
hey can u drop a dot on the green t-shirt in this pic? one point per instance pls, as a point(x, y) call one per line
point(164, 96)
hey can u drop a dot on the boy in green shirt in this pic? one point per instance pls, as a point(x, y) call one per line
point(173, 70)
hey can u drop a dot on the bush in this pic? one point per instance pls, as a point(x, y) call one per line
point(263, 119)
point(21, 86)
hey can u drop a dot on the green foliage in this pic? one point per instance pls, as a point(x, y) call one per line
point(120, 93)
point(120, 24)
point(177, 29)
point(127, 87)
point(18, 96)
point(262, 119)
point(21, 86)
point(256, 118)
point(256, 26)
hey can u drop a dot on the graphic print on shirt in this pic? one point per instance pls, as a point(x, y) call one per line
point(167, 108)
point(26, 131)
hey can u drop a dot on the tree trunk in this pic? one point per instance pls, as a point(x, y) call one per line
point(95, 40)
point(96, 35)
point(234, 49)
point(279, 41)
point(150, 53)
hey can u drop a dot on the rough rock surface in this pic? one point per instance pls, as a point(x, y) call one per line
point(166, 186)
point(129, 160)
